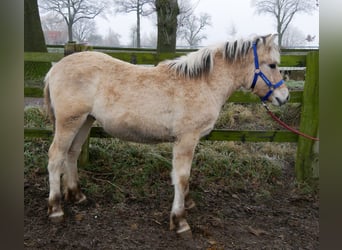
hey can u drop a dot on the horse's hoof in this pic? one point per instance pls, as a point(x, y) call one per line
point(183, 227)
point(56, 217)
point(187, 234)
point(75, 195)
point(81, 198)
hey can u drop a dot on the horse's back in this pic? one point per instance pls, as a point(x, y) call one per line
point(79, 74)
point(84, 64)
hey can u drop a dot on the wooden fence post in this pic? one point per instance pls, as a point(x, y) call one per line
point(306, 167)
point(83, 159)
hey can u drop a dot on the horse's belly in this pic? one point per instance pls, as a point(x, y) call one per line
point(142, 134)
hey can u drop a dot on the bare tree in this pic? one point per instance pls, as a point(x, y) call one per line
point(283, 11)
point(84, 29)
point(96, 39)
point(111, 39)
point(133, 36)
point(293, 37)
point(74, 10)
point(140, 7)
point(192, 27)
point(149, 40)
point(186, 9)
point(54, 29)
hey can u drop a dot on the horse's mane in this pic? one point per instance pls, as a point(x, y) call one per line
point(200, 63)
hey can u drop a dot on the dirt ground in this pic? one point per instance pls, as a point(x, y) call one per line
point(222, 219)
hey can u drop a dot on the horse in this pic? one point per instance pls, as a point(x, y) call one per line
point(176, 101)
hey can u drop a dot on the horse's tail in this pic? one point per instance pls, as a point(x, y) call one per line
point(47, 101)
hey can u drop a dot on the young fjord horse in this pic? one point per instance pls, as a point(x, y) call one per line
point(177, 101)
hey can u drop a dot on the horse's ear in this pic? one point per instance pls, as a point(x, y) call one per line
point(270, 38)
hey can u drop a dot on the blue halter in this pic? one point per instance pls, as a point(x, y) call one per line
point(258, 73)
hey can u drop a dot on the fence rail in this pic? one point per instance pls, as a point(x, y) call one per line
point(309, 59)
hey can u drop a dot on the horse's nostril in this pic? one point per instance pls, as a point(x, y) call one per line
point(280, 102)
point(288, 98)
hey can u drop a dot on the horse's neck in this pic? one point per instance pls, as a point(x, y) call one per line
point(225, 79)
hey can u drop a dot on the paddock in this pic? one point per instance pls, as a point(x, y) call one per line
point(206, 233)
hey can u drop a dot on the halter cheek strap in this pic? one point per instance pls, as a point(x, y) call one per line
point(258, 73)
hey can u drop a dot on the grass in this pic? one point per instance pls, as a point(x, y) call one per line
point(36, 117)
point(295, 85)
point(119, 170)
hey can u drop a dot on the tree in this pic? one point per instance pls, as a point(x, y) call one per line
point(192, 27)
point(33, 33)
point(95, 39)
point(84, 29)
point(167, 12)
point(293, 37)
point(73, 11)
point(149, 40)
point(111, 39)
point(140, 7)
point(54, 29)
point(283, 11)
point(186, 9)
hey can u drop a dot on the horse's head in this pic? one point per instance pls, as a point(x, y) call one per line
point(267, 82)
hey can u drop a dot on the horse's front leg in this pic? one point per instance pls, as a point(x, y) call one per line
point(183, 151)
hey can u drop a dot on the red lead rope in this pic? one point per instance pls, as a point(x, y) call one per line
point(287, 126)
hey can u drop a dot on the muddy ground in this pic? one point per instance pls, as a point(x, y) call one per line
point(222, 219)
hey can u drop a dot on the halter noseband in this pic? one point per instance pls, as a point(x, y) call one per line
point(258, 73)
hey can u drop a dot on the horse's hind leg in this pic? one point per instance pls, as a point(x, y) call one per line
point(183, 152)
point(72, 191)
point(66, 130)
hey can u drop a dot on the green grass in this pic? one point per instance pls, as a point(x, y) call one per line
point(292, 84)
point(36, 117)
point(119, 170)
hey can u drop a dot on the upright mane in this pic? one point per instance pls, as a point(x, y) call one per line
point(195, 64)
point(200, 63)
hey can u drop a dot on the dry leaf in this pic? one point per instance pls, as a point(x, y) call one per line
point(256, 231)
point(134, 226)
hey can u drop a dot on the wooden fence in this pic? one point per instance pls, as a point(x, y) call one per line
point(307, 153)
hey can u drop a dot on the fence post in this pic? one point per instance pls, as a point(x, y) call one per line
point(83, 159)
point(306, 166)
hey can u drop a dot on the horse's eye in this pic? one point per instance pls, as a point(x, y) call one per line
point(272, 66)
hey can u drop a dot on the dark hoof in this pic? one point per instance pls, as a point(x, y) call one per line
point(75, 195)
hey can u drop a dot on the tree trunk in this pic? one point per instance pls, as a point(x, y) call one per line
point(138, 25)
point(34, 42)
point(70, 23)
point(33, 33)
point(70, 35)
point(280, 35)
point(167, 12)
